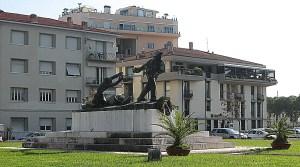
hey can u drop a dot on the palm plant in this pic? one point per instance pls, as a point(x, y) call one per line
point(282, 131)
point(178, 127)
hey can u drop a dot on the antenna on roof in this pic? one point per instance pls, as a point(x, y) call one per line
point(207, 44)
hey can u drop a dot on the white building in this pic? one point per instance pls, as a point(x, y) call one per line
point(204, 84)
point(46, 67)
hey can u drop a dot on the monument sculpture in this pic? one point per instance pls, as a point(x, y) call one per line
point(100, 101)
point(152, 68)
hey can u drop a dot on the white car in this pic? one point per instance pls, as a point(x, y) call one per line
point(259, 134)
point(227, 133)
point(295, 133)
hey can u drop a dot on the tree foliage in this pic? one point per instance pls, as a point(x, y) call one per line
point(287, 105)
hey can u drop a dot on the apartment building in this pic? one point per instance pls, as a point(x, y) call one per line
point(46, 68)
point(140, 29)
point(206, 85)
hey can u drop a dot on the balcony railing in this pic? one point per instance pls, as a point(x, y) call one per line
point(92, 81)
point(235, 96)
point(186, 71)
point(188, 94)
point(101, 56)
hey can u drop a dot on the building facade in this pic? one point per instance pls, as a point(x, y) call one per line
point(46, 68)
point(140, 29)
point(218, 91)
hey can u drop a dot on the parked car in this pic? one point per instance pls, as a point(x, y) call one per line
point(227, 133)
point(31, 135)
point(259, 134)
point(295, 133)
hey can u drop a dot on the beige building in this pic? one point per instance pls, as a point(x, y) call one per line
point(46, 67)
point(204, 84)
point(140, 29)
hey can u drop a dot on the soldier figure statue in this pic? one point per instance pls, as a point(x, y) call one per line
point(99, 99)
point(152, 68)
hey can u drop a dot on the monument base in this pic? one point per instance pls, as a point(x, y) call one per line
point(122, 141)
point(120, 130)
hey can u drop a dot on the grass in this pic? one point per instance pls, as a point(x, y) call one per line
point(46, 158)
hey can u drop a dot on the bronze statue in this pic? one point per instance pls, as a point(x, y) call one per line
point(99, 99)
point(152, 68)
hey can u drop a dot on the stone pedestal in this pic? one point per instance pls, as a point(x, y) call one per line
point(116, 121)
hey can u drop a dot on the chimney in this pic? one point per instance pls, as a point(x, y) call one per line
point(191, 45)
point(84, 25)
point(166, 15)
point(33, 18)
point(69, 20)
point(107, 9)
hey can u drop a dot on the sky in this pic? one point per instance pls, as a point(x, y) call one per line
point(262, 31)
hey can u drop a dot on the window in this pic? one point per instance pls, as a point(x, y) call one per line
point(167, 88)
point(46, 124)
point(47, 95)
point(47, 40)
point(151, 28)
point(124, 26)
point(242, 109)
point(208, 125)
point(221, 91)
point(47, 68)
point(107, 25)
point(73, 43)
point(19, 66)
point(216, 123)
point(101, 73)
point(168, 29)
point(140, 13)
point(259, 124)
point(73, 69)
point(73, 96)
point(19, 124)
point(18, 94)
point(129, 71)
point(149, 14)
point(186, 107)
point(124, 12)
point(242, 89)
point(253, 124)
point(150, 45)
point(243, 126)
point(252, 92)
point(99, 47)
point(258, 113)
point(19, 37)
point(68, 123)
point(208, 105)
point(207, 89)
point(252, 110)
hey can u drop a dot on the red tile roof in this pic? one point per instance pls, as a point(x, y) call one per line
point(193, 54)
point(15, 17)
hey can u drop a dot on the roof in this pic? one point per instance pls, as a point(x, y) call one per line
point(20, 18)
point(193, 54)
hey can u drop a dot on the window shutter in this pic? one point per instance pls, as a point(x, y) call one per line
point(73, 69)
point(46, 40)
point(18, 37)
point(18, 66)
point(46, 67)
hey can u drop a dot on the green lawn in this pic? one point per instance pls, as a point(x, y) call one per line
point(10, 158)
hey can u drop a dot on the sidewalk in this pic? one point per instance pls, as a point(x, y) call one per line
point(208, 151)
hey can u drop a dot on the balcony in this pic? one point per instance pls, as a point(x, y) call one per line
point(239, 96)
point(101, 56)
point(187, 71)
point(188, 94)
point(235, 96)
point(260, 97)
point(239, 74)
point(92, 81)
